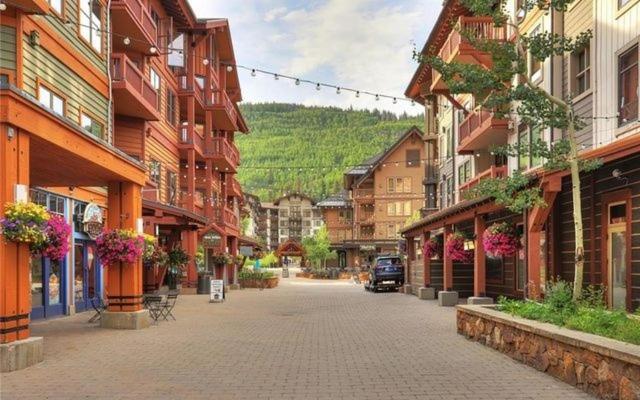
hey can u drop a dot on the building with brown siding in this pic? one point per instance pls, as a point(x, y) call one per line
point(604, 89)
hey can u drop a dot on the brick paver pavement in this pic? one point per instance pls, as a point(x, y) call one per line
point(302, 340)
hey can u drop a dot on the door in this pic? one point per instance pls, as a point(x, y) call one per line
point(86, 274)
point(47, 288)
point(617, 266)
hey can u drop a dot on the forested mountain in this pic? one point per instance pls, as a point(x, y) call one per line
point(294, 147)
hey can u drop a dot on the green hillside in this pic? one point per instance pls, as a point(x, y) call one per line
point(294, 138)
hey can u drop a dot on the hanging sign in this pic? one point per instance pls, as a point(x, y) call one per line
point(246, 251)
point(211, 240)
point(92, 220)
point(217, 291)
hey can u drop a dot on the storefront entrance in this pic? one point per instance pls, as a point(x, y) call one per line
point(48, 291)
point(86, 282)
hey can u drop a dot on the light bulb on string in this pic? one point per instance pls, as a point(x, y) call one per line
point(413, 103)
point(205, 61)
point(317, 86)
point(229, 68)
point(126, 41)
point(395, 101)
point(297, 82)
point(253, 72)
point(153, 50)
point(377, 97)
point(358, 93)
point(338, 90)
point(276, 77)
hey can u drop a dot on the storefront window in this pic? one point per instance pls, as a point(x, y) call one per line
point(36, 282)
point(79, 273)
point(54, 282)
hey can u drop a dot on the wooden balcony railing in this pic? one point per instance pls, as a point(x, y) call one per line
point(472, 122)
point(125, 70)
point(493, 172)
point(363, 193)
point(366, 218)
point(190, 134)
point(192, 85)
point(221, 147)
point(139, 14)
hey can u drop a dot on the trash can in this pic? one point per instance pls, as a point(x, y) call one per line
point(204, 284)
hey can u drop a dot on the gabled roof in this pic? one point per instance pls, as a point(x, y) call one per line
point(294, 194)
point(414, 130)
point(336, 200)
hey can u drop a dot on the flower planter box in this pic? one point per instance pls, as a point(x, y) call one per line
point(606, 368)
point(364, 276)
point(269, 283)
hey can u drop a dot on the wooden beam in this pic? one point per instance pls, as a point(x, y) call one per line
point(479, 265)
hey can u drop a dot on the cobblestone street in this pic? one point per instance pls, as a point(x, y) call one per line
point(302, 340)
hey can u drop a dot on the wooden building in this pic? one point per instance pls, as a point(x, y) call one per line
point(383, 193)
point(98, 119)
point(604, 89)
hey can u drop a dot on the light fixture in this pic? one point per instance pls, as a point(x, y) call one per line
point(126, 41)
point(253, 72)
point(229, 68)
point(358, 93)
point(276, 77)
point(3, 7)
point(297, 82)
point(205, 61)
point(338, 90)
point(317, 86)
point(395, 101)
point(377, 97)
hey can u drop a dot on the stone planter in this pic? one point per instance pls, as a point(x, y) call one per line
point(269, 283)
point(603, 367)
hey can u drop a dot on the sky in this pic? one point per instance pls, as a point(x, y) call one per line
point(362, 44)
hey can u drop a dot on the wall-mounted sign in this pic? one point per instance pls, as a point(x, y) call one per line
point(367, 247)
point(217, 291)
point(92, 220)
point(21, 193)
point(246, 251)
point(211, 240)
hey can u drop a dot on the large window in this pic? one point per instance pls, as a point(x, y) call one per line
point(413, 158)
point(495, 270)
point(51, 100)
point(91, 125)
point(176, 52)
point(172, 106)
point(172, 188)
point(581, 70)
point(399, 184)
point(527, 137)
point(91, 23)
point(628, 86)
point(464, 172)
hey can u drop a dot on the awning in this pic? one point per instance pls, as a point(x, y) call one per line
point(165, 214)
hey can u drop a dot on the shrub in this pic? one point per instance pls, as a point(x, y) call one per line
point(248, 274)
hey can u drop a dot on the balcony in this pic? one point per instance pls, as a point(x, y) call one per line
point(133, 94)
point(226, 217)
point(225, 155)
point(457, 48)
point(31, 6)
point(192, 87)
point(233, 187)
point(493, 172)
point(225, 116)
point(363, 195)
point(366, 219)
point(130, 18)
point(480, 130)
point(191, 136)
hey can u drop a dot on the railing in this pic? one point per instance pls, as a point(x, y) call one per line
point(472, 122)
point(221, 98)
point(190, 134)
point(222, 147)
point(140, 13)
point(363, 193)
point(366, 218)
point(123, 69)
point(493, 172)
point(191, 85)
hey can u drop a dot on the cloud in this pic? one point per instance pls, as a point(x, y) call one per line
point(275, 13)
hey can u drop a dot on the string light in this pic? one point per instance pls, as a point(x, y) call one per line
point(276, 77)
point(253, 72)
point(126, 41)
point(229, 68)
point(297, 82)
point(317, 86)
point(205, 61)
point(338, 90)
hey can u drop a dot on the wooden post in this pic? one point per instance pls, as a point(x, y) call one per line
point(479, 265)
point(426, 262)
point(411, 256)
point(15, 287)
point(447, 264)
point(124, 281)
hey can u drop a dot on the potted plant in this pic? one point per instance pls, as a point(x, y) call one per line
point(455, 248)
point(221, 259)
point(432, 248)
point(119, 246)
point(501, 239)
point(25, 223)
point(178, 260)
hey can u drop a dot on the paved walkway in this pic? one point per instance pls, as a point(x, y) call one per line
point(302, 340)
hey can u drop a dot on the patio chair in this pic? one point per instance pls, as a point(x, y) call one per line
point(155, 305)
point(167, 306)
point(99, 306)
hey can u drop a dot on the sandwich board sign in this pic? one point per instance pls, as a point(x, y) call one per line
point(217, 291)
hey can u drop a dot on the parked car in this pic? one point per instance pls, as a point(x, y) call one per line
point(386, 273)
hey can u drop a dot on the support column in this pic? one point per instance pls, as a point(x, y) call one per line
point(411, 256)
point(17, 349)
point(533, 264)
point(233, 271)
point(479, 266)
point(124, 280)
point(447, 297)
point(426, 292)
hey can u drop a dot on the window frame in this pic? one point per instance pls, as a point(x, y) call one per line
point(52, 92)
point(83, 113)
point(412, 161)
point(172, 107)
point(635, 47)
point(81, 26)
point(579, 75)
point(152, 163)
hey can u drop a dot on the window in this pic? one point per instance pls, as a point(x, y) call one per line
point(155, 172)
point(50, 100)
point(391, 209)
point(172, 188)
point(4, 79)
point(495, 270)
point(284, 213)
point(622, 3)
point(449, 191)
point(91, 125)
point(581, 70)
point(406, 183)
point(464, 172)
point(399, 185)
point(391, 185)
point(154, 78)
point(391, 231)
point(91, 23)
point(407, 208)
point(172, 106)
point(535, 65)
point(526, 138)
point(156, 20)
point(56, 5)
point(628, 86)
point(448, 142)
point(176, 52)
point(413, 158)
point(306, 213)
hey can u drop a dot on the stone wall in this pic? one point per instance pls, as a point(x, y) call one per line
point(600, 366)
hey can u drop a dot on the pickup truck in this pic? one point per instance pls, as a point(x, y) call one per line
point(387, 273)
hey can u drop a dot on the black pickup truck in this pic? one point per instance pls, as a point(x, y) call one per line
point(387, 273)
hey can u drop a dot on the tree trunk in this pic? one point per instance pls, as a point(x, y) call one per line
point(577, 209)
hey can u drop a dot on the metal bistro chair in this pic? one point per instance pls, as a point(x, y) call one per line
point(154, 304)
point(99, 306)
point(168, 305)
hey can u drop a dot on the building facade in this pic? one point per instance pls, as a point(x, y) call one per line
point(602, 80)
point(116, 114)
point(298, 217)
point(268, 226)
point(380, 195)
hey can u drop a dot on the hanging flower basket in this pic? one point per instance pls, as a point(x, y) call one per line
point(238, 260)
point(58, 233)
point(432, 248)
point(178, 260)
point(501, 240)
point(119, 245)
point(25, 223)
point(221, 259)
point(456, 250)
